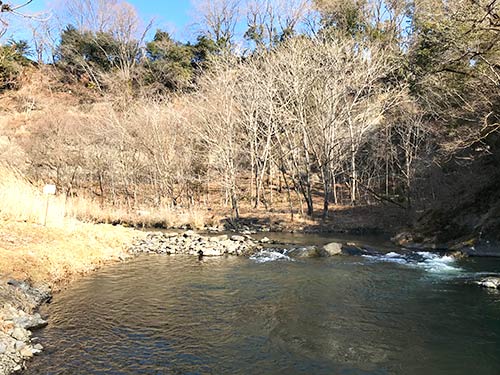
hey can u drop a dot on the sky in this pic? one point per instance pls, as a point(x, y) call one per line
point(175, 16)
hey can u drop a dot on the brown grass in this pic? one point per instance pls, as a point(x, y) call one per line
point(58, 252)
point(88, 210)
point(57, 255)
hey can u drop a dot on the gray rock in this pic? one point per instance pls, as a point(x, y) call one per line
point(38, 347)
point(305, 252)
point(3, 348)
point(237, 238)
point(265, 240)
point(355, 250)
point(30, 322)
point(20, 334)
point(207, 252)
point(18, 345)
point(489, 282)
point(333, 248)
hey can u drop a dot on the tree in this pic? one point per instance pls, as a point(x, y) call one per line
point(169, 64)
point(272, 21)
point(13, 59)
point(219, 125)
point(218, 20)
point(453, 61)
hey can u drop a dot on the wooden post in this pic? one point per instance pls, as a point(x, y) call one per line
point(48, 190)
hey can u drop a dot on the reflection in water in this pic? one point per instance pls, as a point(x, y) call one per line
point(345, 315)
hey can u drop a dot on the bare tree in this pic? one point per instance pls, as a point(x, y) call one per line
point(218, 20)
point(271, 21)
point(219, 124)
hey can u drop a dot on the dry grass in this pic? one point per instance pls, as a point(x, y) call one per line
point(55, 253)
point(88, 210)
point(20, 201)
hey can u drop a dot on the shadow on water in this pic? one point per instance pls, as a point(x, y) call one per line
point(344, 315)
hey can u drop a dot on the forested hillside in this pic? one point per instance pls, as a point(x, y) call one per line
point(302, 106)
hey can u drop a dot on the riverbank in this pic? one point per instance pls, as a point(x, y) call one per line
point(36, 261)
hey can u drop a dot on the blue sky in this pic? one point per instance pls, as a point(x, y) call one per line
point(175, 16)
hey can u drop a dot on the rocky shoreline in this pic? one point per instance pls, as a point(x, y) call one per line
point(194, 244)
point(19, 317)
point(191, 243)
point(18, 321)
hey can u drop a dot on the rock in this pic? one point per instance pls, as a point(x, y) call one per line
point(3, 348)
point(224, 237)
point(305, 252)
point(355, 250)
point(38, 347)
point(265, 240)
point(489, 282)
point(458, 254)
point(189, 234)
point(20, 334)
point(36, 296)
point(19, 345)
point(333, 248)
point(30, 322)
point(352, 249)
point(237, 238)
point(26, 352)
point(402, 238)
point(211, 252)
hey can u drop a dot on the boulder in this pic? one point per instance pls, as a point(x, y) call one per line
point(30, 322)
point(333, 248)
point(305, 252)
point(489, 282)
point(355, 250)
point(352, 249)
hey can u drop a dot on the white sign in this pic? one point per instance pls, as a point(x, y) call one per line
point(49, 189)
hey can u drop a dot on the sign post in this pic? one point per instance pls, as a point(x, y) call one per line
point(48, 190)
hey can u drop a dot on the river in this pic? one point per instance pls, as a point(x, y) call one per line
point(410, 314)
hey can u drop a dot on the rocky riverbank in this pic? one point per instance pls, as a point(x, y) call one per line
point(194, 244)
point(20, 301)
point(191, 243)
point(18, 320)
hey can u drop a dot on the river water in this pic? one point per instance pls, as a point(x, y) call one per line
point(393, 314)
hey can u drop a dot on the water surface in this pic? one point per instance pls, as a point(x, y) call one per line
point(394, 314)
